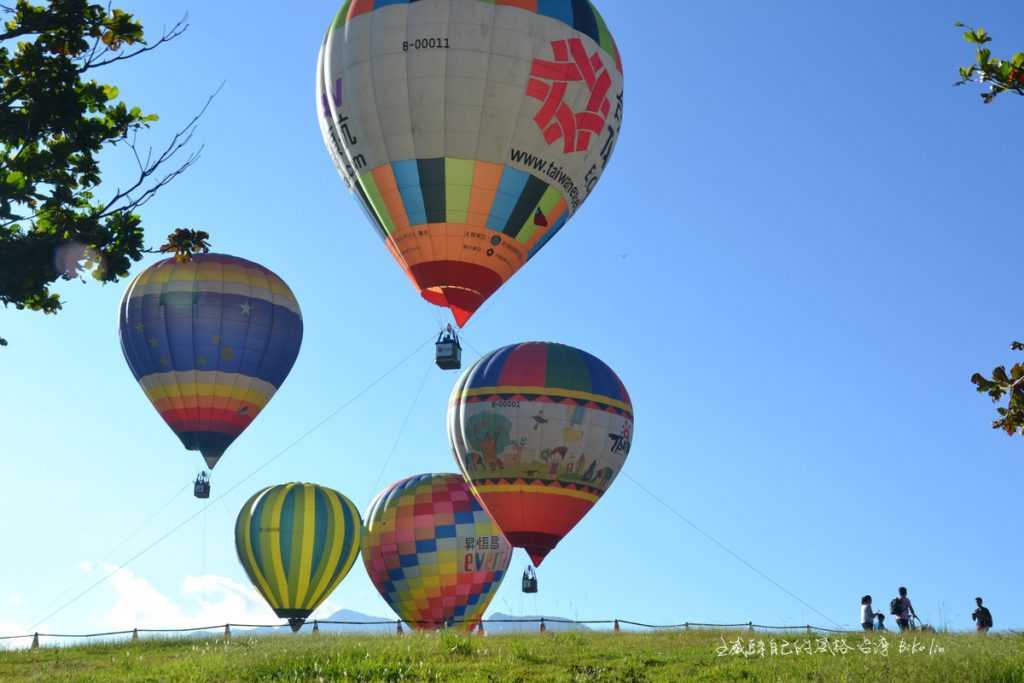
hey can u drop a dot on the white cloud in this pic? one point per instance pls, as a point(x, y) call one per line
point(201, 601)
point(16, 628)
point(13, 628)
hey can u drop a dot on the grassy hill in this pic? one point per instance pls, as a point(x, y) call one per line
point(577, 656)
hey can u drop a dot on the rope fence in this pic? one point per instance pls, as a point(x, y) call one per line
point(542, 624)
point(480, 626)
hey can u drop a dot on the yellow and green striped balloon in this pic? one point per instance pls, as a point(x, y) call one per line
point(297, 542)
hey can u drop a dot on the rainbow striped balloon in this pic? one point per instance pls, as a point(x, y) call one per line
point(297, 542)
point(210, 341)
point(433, 552)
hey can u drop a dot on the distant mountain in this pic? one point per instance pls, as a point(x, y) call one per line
point(376, 625)
point(508, 623)
point(504, 623)
point(385, 625)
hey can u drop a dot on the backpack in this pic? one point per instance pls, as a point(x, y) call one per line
point(895, 606)
point(986, 617)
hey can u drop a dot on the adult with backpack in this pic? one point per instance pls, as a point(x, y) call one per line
point(982, 618)
point(903, 609)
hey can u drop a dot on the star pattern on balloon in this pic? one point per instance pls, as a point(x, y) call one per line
point(192, 338)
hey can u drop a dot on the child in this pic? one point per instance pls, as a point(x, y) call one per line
point(867, 616)
point(881, 621)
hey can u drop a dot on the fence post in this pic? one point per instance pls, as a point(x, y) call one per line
point(135, 635)
point(616, 627)
point(316, 627)
point(808, 629)
point(543, 626)
point(227, 631)
point(35, 641)
point(686, 626)
point(750, 626)
point(398, 629)
point(480, 628)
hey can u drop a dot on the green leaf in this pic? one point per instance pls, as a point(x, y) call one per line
point(111, 91)
point(959, 24)
point(15, 179)
point(970, 37)
point(983, 55)
point(983, 384)
point(1018, 59)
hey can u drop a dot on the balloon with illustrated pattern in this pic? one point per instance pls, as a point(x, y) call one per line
point(540, 431)
point(296, 543)
point(433, 552)
point(210, 340)
point(470, 130)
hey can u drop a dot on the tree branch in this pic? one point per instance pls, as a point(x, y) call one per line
point(95, 61)
point(180, 140)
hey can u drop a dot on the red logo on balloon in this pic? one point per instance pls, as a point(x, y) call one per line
point(549, 81)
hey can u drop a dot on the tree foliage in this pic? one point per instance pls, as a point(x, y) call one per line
point(55, 119)
point(183, 243)
point(999, 75)
point(1005, 383)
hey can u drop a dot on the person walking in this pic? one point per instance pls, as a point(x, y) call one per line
point(903, 609)
point(982, 617)
point(867, 615)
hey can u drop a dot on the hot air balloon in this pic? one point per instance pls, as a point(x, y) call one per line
point(470, 130)
point(210, 340)
point(433, 553)
point(540, 431)
point(297, 542)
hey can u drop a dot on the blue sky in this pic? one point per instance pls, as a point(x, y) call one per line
point(795, 261)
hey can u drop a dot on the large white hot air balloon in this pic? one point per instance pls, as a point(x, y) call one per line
point(470, 130)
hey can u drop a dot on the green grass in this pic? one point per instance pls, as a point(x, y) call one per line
point(603, 657)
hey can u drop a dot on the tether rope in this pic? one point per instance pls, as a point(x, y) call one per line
point(729, 550)
point(108, 556)
point(711, 538)
point(401, 431)
point(237, 484)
